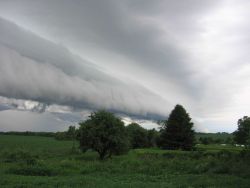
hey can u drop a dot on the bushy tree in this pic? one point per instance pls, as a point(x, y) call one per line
point(242, 134)
point(177, 132)
point(104, 133)
point(210, 140)
point(137, 136)
point(206, 140)
point(153, 137)
point(70, 134)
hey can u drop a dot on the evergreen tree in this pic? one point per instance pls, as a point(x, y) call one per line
point(177, 132)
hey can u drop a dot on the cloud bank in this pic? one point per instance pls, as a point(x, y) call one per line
point(133, 57)
point(56, 76)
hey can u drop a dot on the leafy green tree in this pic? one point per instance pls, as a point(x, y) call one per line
point(210, 140)
point(178, 133)
point(137, 136)
point(153, 136)
point(229, 140)
point(104, 133)
point(206, 140)
point(71, 134)
point(242, 134)
point(60, 136)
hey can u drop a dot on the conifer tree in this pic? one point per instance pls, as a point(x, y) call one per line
point(177, 132)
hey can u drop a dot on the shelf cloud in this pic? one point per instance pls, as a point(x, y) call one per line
point(137, 58)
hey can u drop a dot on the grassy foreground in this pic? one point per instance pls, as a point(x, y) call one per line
point(33, 161)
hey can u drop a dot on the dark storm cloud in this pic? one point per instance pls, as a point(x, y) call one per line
point(43, 71)
point(128, 55)
point(117, 27)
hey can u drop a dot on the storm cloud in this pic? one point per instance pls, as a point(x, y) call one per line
point(45, 72)
point(133, 57)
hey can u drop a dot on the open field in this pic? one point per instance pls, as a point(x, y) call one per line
point(33, 161)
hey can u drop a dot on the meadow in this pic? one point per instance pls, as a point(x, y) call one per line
point(35, 161)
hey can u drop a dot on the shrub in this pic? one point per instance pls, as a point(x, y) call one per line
point(20, 156)
point(224, 155)
point(34, 170)
point(221, 168)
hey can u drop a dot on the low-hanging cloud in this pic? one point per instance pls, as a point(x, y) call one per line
point(136, 57)
point(48, 78)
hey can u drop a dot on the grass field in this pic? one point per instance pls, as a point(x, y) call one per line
point(33, 161)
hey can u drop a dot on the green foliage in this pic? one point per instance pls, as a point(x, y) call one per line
point(29, 133)
point(242, 135)
point(61, 136)
point(137, 136)
point(70, 134)
point(56, 166)
point(215, 136)
point(206, 140)
point(20, 156)
point(33, 170)
point(178, 133)
point(140, 137)
point(153, 137)
point(210, 140)
point(104, 133)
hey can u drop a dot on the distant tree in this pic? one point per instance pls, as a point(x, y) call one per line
point(71, 134)
point(104, 133)
point(153, 136)
point(137, 136)
point(229, 140)
point(210, 140)
point(178, 133)
point(61, 136)
point(242, 134)
point(206, 140)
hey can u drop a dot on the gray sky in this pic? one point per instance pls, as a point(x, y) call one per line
point(61, 59)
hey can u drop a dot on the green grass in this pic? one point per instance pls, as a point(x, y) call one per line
point(32, 161)
point(35, 143)
point(219, 147)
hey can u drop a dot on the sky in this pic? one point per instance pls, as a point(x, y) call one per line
point(60, 60)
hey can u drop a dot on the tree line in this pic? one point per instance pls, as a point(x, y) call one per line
point(29, 133)
point(106, 134)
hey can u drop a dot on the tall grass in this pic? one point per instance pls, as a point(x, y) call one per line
point(45, 162)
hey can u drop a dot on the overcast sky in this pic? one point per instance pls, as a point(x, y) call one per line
point(61, 59)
